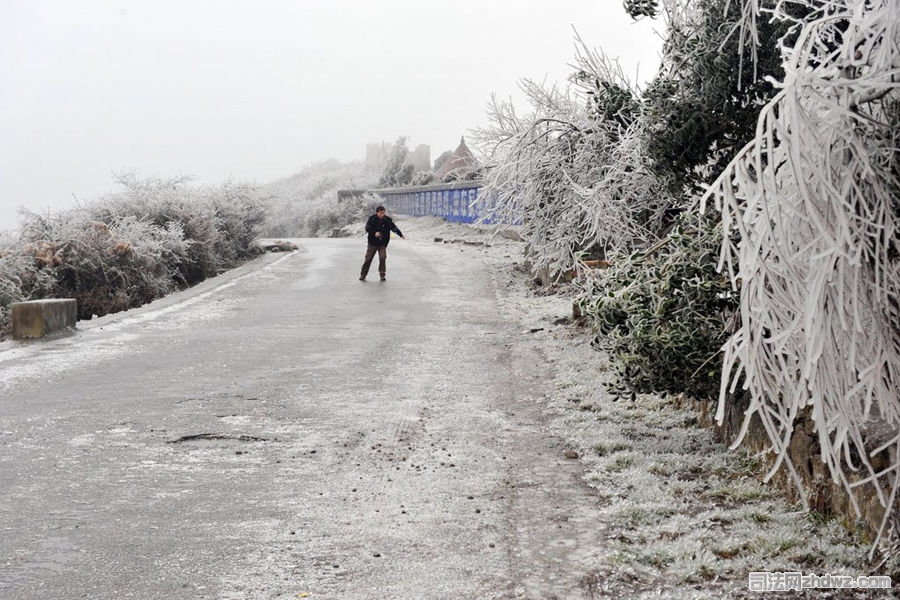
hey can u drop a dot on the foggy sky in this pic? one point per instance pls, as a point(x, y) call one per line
point(255, 90)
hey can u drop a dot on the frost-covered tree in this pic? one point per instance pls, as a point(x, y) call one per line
point(814, 205)
point(570, 170)
point(664, 311)
point(701, 108)
point(397, 172)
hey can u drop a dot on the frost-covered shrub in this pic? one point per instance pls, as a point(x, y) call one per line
point(663, 314)
point(218, 222)
point(423, 178)
point(165, 201)
point(330, 214)
point(19, 280)
point(239, 216)
point(130, 247)
point(105, 267)
point(664, 311)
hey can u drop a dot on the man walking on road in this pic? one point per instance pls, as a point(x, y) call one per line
point(379, 227)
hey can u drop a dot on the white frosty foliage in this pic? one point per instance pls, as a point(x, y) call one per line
point(307, 204)
point(814, 201)
point(574, 178)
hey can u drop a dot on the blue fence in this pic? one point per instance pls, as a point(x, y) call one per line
point(458, 202)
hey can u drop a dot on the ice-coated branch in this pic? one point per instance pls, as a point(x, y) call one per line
point(814, 201)
point(571, 170)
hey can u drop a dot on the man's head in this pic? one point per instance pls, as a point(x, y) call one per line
point(379, 212)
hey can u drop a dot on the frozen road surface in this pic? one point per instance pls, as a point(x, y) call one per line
point(286, 430)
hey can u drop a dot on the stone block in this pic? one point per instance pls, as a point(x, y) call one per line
point(36, 318)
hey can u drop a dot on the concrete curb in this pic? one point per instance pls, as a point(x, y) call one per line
point(36, 318)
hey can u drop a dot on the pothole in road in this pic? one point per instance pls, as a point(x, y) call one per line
point(211, 437)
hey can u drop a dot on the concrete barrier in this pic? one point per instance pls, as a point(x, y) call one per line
point(37, 318)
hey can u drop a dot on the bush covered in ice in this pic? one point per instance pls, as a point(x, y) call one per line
point(662, 314)
point(603, 170)
point(151, 237)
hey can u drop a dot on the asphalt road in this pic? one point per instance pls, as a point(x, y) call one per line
point(285, 430)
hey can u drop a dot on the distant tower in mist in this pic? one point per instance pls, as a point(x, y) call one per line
point(376, 156)
point(420, 158)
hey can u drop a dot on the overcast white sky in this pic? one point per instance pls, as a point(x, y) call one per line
point(254, 90)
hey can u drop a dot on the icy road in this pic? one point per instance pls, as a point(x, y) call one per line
point(285, 430)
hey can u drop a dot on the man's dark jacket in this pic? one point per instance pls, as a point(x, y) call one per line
point(385, 226)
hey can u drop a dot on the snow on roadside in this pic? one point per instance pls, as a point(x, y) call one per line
point(690, 518)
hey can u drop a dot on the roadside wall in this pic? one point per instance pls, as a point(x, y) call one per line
point(822, 494)
point(459, 202)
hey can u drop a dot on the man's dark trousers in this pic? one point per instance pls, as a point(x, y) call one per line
point(382, 260)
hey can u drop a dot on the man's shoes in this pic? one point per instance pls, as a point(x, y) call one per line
point(383, 278)
point(362, 278)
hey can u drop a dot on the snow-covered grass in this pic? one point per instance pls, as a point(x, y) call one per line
point(686, 516)
point(682, 509)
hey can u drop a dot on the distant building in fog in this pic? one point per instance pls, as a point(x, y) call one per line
point(376, 156)
point(420, 157)
point(461, 165)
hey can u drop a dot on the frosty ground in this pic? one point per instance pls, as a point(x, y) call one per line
point(284, 430)
point(684, 516)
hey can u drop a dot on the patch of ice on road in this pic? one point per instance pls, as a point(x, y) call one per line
point(191, 311)
point(122, 430)
point(86, 439)
point(50, 358)
point(115, 335)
